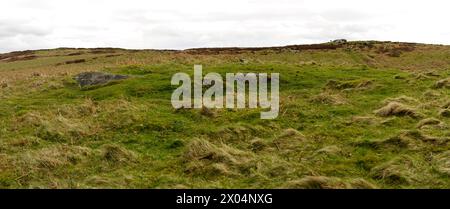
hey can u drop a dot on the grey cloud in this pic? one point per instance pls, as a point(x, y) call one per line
point(10, 28)
point(22, 35)
point(31, 24)
point(345, 15)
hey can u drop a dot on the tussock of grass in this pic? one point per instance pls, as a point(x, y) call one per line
point(54, 157)
point(406, 140)
point(397, 109)
point(426, 138)
point(401, 170)
point(3, 84)
point(360, 183)
point(433, 74)
point(446, 105)
point(317, 182)
point(428, 122)
point(402, 99)
point(329, 99)
point(257, 144)
point(204, 157)
point(330, 151)
point(87, 108)
point(363, 120)
point(25, 141)
point(29, 119)
point(61, 125)
point(445, 113)
point(61, 129)
point(347, 85)
point(5, 162)
point(442, 162)
point(396, 142)
point(421, 76)
point(322, 182)
point(208, 112)
point(199, 149)
point(444, 83)
point(291, 133)
point(117, 154)
point(122, 114)
point(432, 94)
point(289, 140)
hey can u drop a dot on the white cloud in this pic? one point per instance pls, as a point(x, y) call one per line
point(33, 24)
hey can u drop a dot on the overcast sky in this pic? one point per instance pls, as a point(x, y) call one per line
point(180, 24)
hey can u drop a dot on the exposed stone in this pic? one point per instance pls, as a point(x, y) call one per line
point(339, 41)
point(96, 78)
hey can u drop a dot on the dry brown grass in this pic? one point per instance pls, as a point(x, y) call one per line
point(400, 170)
point(52, 126)
point(208, 112)
point(53, 157)
point(432, 94)
point(332, 150)
point(428, 122)
point(204, 157)
point(70, 123)
point(418, 135)
point(25, 141)
point(444, 113)
point(406, 140)
point(329, 99)
point(444, 83)
point(348, 85)
point(118, 154)
point(397, 142)
point(289, 140)
point(3, 84)
point(402, 99)
point(442, 162)
point(257, 144)
point(446, 105)
point(291, 133)
point(323, 182)
point(397, 109)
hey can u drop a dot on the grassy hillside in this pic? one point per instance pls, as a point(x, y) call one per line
point(357, 115)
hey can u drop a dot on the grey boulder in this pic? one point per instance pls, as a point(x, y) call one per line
point(97, 78)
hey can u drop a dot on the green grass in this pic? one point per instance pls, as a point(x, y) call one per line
point(127, 135)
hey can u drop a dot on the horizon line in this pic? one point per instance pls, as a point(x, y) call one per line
point(225, 47)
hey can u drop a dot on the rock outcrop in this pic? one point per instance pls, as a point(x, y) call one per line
point(96, 78)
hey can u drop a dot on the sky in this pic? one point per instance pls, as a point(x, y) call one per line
point(181, 24)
